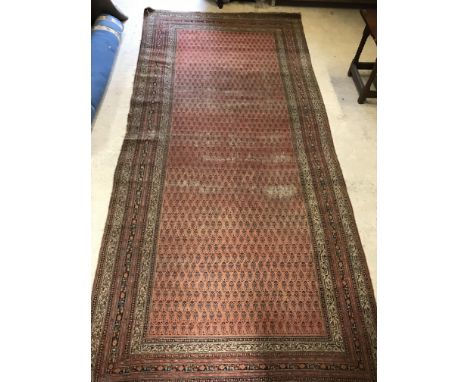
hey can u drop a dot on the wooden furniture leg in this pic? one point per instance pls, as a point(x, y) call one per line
point(365, 91)
point(365, 35)
point(370, 18)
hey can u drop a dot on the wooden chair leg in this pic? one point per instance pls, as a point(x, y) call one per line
point(365, 35)
point(365, 91)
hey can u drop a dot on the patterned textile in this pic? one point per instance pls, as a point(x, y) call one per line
point(230, 251)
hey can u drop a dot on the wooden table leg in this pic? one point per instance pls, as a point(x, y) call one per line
point(365, 91)
point(365, 35)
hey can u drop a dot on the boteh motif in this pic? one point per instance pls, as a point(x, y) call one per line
point(230, 251)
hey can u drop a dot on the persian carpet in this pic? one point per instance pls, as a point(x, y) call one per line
point(230, 251)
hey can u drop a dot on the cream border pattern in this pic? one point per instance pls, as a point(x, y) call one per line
point(344, 205)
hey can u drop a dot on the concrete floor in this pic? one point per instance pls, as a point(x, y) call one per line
point(332, 37)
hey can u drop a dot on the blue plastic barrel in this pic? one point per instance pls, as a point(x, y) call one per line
point(105, 40)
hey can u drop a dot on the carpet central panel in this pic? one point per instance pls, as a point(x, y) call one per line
point(235, 256)
point(230, 251)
